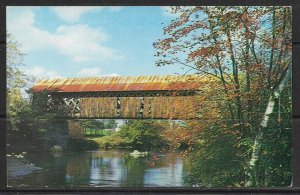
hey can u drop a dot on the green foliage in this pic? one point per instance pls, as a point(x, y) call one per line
point(110, 124)
point(16, 79)
point(17, 106)
point(97, 132)
point(142, 134)
point(17, 109)
point(94, 127)
point(92, 124)
point(215, 161)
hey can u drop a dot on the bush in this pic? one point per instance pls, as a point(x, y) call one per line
point(143, 135)
point(216, 161)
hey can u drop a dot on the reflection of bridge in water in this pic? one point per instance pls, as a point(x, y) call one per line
point(130, 97)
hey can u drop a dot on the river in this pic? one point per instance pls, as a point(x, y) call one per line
point(113, 168)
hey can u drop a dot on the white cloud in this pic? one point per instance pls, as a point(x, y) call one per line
point(89, 72)
point(94, 72)
point(79, 42)
point(82, 43)
point(73, 13)
point(111, 75)
point(41, 73)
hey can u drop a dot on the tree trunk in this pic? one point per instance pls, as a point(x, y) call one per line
point(272, 51)
point(256, 148)
point(235, 74)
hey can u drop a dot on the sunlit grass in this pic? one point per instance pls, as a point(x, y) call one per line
point(110, 141)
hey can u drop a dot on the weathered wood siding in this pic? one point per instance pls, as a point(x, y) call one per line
point(98, 107)
point(162, 107)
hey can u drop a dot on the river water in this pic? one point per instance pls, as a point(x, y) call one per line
point(114, 168)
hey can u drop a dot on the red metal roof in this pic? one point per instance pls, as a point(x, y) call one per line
point(127, 83)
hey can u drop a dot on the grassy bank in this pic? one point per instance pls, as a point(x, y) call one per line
point(111, 141)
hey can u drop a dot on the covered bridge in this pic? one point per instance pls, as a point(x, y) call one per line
point(126, 97)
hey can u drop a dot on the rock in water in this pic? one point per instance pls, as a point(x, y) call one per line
point(56, 148)
point(136, 153)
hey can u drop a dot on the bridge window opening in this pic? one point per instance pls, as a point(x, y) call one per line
point(149, 107)
point(141, 113)
point(118, 106)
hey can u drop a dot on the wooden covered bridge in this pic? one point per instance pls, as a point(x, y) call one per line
point(129, 97)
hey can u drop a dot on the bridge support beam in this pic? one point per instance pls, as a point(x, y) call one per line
point(57, 131)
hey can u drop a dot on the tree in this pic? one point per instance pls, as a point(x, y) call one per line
point(94, 125)
point(111, 124)
point(248, 50)
point(142, 134)
point(17, 107)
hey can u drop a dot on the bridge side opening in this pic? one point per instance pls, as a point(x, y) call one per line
point(141, 113)
point(118, 106)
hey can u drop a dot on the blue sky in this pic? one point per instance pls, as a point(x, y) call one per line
point(90, 41)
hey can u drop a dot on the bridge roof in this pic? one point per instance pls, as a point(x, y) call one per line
point(121, 83)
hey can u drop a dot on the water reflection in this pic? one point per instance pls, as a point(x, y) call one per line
point(103, 169)
point(156, 176)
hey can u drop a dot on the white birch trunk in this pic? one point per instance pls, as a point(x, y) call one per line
point(256, 148)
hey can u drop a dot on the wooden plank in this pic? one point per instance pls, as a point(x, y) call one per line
point(93, 107)
point(135, 103)
point(159, 108)
point(190, 106)
point(146, 107)
point(113, 104)
point(106, 103)
point(169, 105)
point(100, 107)
point(154, 105)
point(164, 106)
point(128, 113)
point(170, 108)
